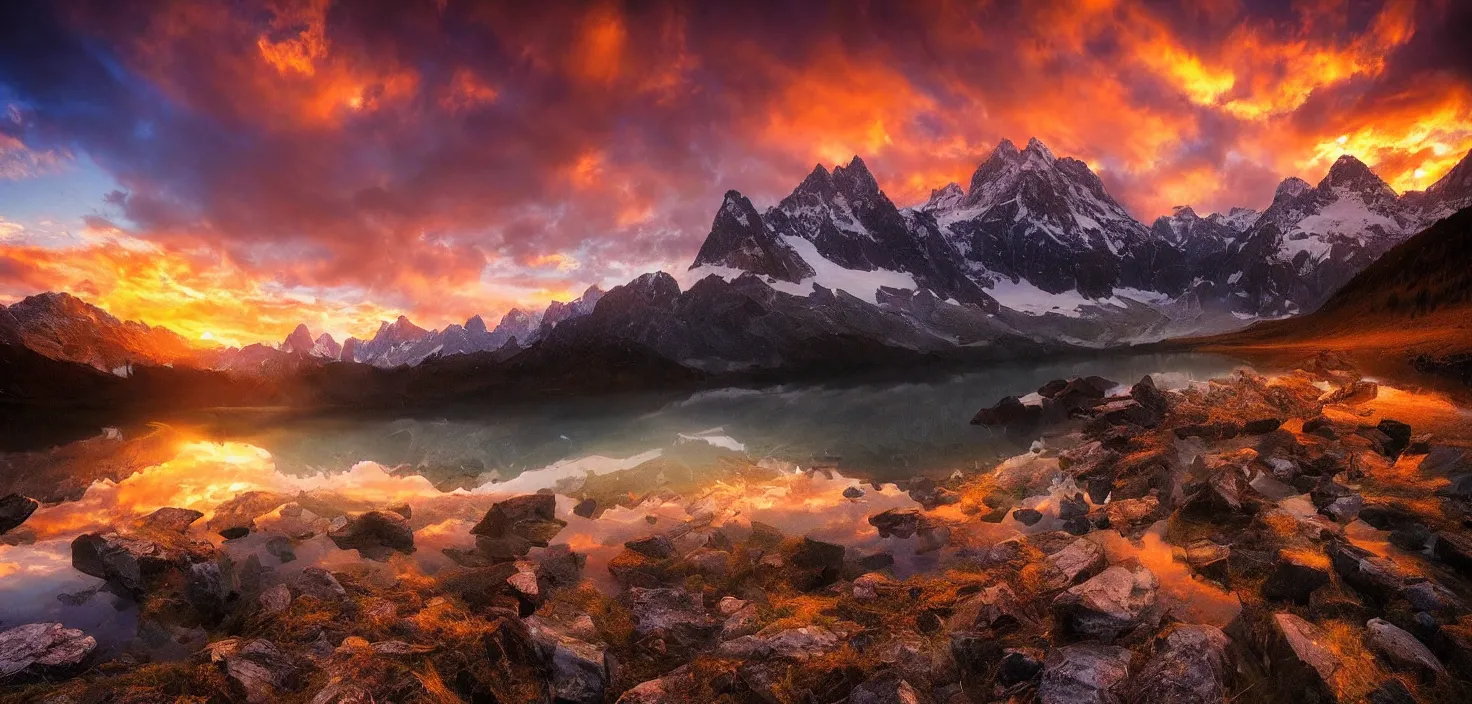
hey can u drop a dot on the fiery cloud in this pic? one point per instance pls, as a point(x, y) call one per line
point(337, 163)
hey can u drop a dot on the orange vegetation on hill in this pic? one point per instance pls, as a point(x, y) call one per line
point(1413, 303)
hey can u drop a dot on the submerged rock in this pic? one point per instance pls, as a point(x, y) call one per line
point(14, 510)
point(519, 523)
point(1085, 673)
point(43, 650)
point(136, 562)
point(375, 534)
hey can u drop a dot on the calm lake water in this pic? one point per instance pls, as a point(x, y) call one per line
point(646, 450)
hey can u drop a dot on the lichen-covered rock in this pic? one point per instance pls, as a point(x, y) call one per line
point(1300, 660)
point(1190, 666)
point(1080, 560)
point(1400, 648)
point(138, 561)
point(1085, 673)
point(261, 671)
point(43, 650)
point(675, 615)
point(1107, 605)
point(580, 670)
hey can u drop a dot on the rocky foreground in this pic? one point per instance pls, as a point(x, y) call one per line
point(1252, 539)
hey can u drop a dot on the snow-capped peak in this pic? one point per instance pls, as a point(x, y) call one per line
point(944, 198)
point(1291, 187)
point(1036, 147)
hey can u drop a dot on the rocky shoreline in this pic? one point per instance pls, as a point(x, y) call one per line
point(1252, 539)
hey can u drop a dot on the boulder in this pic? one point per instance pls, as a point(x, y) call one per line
point(274, 600)
point(257, 667)
point(1377, 577)
point(675, 615)
point(1124, 513)
point(1085, 673)
point(657, 547)
point(375, 535)
point(1296, 574)
point(791, 644)
point(1433, 598)
point(1019, 665)
point(580, 670)
point(1080, 560)
point(1399, 435)
point(1224, 496)
point(319, 583)
point(1190, 666)
point(814, 564)
point(1299, 660)
point(1353, 393)
point(1008, 412)
point(14, 510)
point(887, 689)
point(1401, 649)
point(43, 650)
point(136, 562)
point(1455, 550)
point(1107, 605)
point(170, 519)
point(744, 621)
point(1027, 516)
point(530, 520)
point(1412, 537)
point(995, 609)
point(585, 508)
point(1209, 559)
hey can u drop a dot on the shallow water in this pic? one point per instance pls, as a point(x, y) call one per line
point(666, 457)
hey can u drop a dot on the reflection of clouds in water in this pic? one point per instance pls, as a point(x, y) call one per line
point(1189, 597)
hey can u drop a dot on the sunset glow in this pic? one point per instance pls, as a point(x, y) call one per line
point(230, 171)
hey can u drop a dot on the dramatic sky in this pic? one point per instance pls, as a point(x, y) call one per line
point(230, 169)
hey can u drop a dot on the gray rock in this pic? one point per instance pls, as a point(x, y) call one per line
point(43, 650)
point(1190, 666)
point(174, 520)
point(1107, 605)
point(1455, 550)
point(1295, 575)
point(675, 615)
point(1298, 659)
point(580, 670)
point(1400, 648)
point(319, 583)
point(887, 690)
point(134, 562)
point(1378, 577)
point(1080, 560)
point(258, 667)
point(1085, 673)
point(658, 547)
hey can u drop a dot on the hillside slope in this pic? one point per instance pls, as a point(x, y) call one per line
point(1414, 303)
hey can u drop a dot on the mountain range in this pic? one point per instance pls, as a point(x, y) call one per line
point(1032, 255)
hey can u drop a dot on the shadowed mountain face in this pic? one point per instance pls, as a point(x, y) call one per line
point(1034, 254)
point(1411, 303)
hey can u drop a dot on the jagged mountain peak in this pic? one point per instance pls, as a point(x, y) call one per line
point(1350, 174)
point(299, 341)
point(1036, 148)
point(1185, 212)
point(1291, 187)
point(1453, 191)
point(476, 325)
point(944, 198)
point(855, 178)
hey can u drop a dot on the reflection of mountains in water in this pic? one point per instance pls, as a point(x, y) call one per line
point(882, 429)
